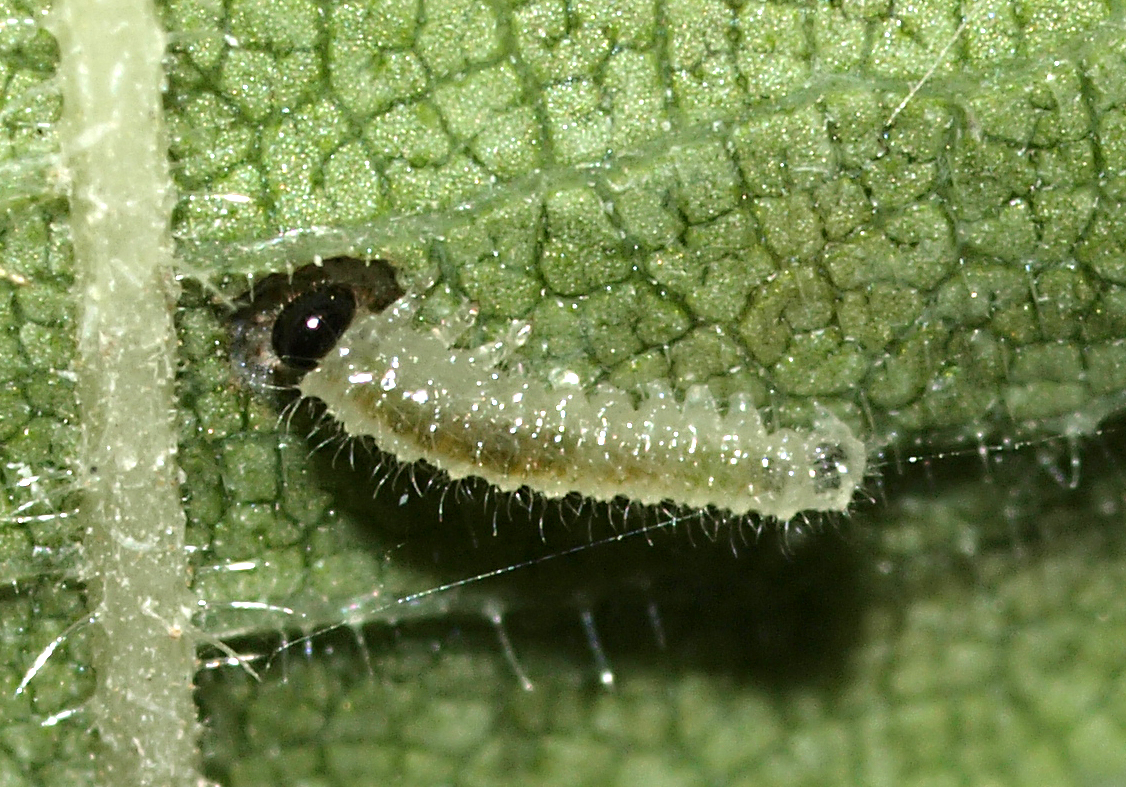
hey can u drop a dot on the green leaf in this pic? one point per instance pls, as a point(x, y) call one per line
point(909, 215)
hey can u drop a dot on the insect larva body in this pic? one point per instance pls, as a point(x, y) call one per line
point(465, 412)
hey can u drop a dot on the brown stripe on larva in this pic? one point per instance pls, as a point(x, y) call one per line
point(419, 398)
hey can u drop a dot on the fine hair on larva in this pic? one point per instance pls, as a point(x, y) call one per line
point(465, 411)
point(625, 517)
point(469, 422)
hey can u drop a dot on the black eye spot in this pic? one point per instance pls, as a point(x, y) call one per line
point(287, 322)
point(310, 325)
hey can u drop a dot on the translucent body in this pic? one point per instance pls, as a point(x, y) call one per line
point(464, 412)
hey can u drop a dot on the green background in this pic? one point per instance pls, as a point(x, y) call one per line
point(683, 191)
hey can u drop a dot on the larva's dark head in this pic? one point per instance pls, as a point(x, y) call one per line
point(287, 323)
point(308, 327)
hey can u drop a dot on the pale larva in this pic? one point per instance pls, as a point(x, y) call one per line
point(385, 375)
